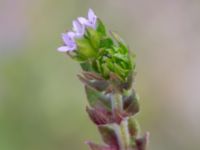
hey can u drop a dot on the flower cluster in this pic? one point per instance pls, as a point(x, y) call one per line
point(100, 52)
point(79, 28)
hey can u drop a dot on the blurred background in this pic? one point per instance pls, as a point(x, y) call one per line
point(42, 103)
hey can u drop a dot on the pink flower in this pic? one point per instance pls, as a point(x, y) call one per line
point(69, 42)
point(90, 21)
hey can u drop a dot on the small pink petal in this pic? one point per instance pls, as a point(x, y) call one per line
point(63, 49)
point(91, 14)
point(67, 48)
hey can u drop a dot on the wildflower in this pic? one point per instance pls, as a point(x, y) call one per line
point(108, 69)
point(69, 42)
point(78, 28)
point(91, 21)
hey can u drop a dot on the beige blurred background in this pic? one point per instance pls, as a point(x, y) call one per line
point(42, 103)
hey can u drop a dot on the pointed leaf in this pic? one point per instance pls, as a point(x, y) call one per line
point(94, 80)
point(96, 98)
point(109, 135)
point(131, 105)
point(99, 115)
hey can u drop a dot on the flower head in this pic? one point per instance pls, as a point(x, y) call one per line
point(90, 21)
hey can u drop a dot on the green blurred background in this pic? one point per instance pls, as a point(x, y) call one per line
point(42, 103)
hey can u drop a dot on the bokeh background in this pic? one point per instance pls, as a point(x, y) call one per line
point(42, 103)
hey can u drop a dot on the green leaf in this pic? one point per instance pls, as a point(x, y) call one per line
point(96, 98)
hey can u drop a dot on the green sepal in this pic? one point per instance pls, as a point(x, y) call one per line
point(101, 29)
point(94, 37)
point(85, 50)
